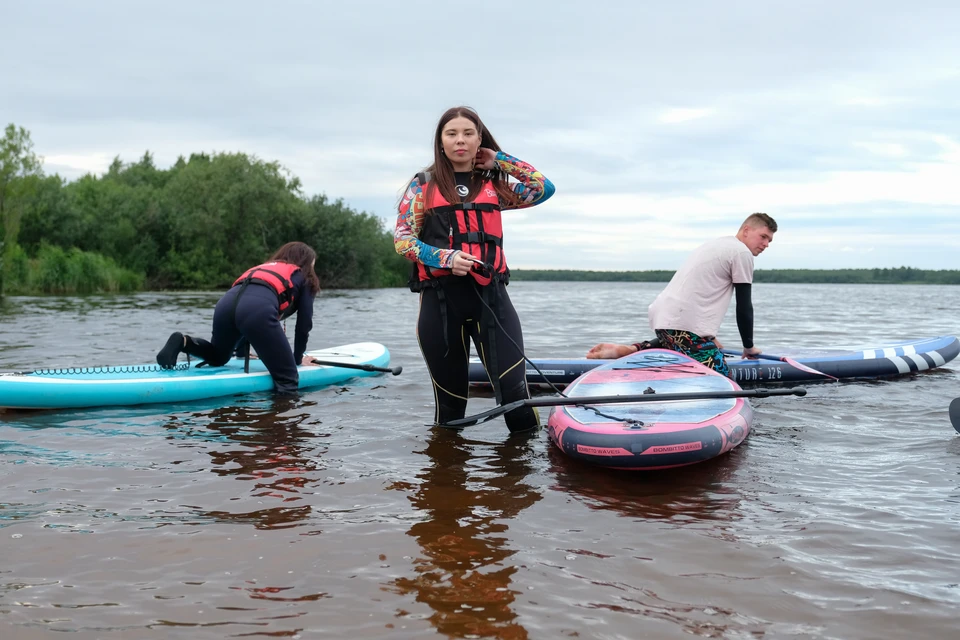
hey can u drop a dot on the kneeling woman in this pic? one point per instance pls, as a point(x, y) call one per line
point(449, 225)
point(252, 310)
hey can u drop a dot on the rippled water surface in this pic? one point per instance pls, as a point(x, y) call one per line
point(343, 515)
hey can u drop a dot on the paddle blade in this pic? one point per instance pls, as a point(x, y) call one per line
point(490, 414)
point(790, 361)
point(955, 414)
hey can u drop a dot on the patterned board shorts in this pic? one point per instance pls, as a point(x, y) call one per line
point(703, 350)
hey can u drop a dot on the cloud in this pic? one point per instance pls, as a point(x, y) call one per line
point(677, 115)
point(885, 149)
point(660, 127)
point(76, 165)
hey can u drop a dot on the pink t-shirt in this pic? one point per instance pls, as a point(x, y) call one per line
point(698, 295)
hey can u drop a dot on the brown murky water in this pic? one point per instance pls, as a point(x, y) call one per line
point(343, 515)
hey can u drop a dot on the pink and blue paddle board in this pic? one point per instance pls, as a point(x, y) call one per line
point(650, 435)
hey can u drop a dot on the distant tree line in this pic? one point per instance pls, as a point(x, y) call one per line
point(567, 275)
point(197, 225)
point(900, 275)
point(206, 219)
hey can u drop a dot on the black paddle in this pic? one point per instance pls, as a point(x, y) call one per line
point(365, 367)
point(790, 361)
point(955, 414)
point(646, 397)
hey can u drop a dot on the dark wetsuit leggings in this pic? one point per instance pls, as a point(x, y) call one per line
point(448, 360)
point(256, 318)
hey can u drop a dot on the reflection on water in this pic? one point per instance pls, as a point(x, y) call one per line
point(467, 494)
point(703, 492)
point(267, 446)
point(342, 515)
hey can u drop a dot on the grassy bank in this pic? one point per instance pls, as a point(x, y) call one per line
point(67, 271)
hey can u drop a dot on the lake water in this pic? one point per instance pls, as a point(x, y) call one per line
point(343, 514)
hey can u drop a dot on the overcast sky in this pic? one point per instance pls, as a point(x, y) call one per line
point(661, 124)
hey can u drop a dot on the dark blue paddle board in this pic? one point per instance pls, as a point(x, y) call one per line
point(888, 360)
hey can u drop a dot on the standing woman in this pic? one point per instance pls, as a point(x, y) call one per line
point(252, 311)
point(449, 225)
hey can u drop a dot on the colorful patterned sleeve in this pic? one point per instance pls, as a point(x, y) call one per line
point(406, 236)
point(532, 187)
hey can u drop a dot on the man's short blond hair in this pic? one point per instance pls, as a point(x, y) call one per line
point(760, 220)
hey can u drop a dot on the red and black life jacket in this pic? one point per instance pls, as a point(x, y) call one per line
point(473, 227)
point(276, 275)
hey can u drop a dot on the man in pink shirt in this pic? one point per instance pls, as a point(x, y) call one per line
point(686, 316)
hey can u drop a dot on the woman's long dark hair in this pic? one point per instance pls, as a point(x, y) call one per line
point(301, 255)
point(442, 173)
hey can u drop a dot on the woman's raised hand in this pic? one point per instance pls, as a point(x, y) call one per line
point(486, 159)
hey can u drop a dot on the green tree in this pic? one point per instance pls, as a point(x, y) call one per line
point(20, 172)
point(223, 214)
point(353, 249)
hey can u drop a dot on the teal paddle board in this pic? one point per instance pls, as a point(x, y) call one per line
point(147, 384)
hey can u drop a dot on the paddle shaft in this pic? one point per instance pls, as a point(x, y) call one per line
point(363, 367)
point(661, 397)
point(759, 356)
point(645, 397)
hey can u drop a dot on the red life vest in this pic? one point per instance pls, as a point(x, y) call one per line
point(473, 227)
point(276, 275)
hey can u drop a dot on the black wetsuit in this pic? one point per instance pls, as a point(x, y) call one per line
point(485, 315)
point(254, 318)
point(447, 352)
